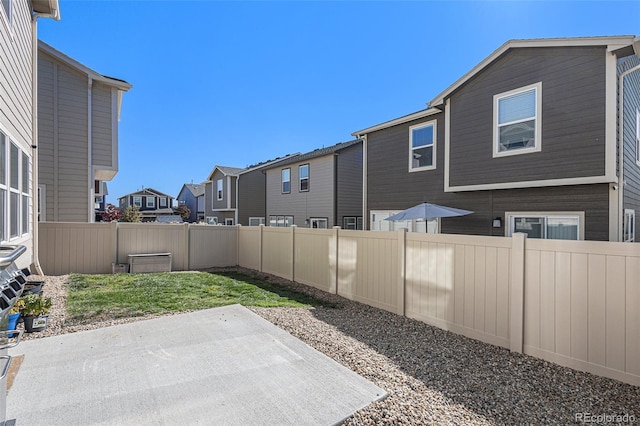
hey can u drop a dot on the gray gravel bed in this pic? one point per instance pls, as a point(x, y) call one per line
point(432, 376)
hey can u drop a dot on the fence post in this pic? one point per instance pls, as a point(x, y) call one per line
point(114, 241)
point(402, 282)
point(516, 320)
point(336, 262)
point(293, 252)
point(186, 255)
point(238, 244)
point(261, 227)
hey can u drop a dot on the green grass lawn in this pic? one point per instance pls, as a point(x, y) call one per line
point(101, 297)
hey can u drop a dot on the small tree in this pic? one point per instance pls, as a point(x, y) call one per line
point(111, 213)
point(131, 214)
point(183, 211)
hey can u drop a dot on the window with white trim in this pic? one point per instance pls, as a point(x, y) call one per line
point(379, 223)
point(638, 137)
point(219, 189)
point(422, 147)
point(559, 226)
point(256, 221)
point(7, 6)
point(303, 173)
point(137, 201)
point(281, 221)
point(228, 222)
point(163, 202)
point(318, 223)
point(15, 191)
point(151, 202)
point(517, 121)
point(286, 181)
point(629, 226)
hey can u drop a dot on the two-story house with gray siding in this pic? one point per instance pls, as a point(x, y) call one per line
point(220, 198)
point(18, 129)
point(318, 189)
point(529, 140)
point(192, 196)
point(78, 115)
point(151, 203)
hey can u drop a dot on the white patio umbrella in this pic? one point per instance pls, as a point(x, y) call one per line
point(428, 211)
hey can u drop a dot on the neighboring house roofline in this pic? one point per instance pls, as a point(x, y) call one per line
point(400, 120)
point(320, 152)
point(268, 163)
point(46, 8)
point(196, 189)
point(225, 170)
point(146, 191)
point(613, 43)
point(115, 82)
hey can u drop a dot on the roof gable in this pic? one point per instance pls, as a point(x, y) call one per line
point(316, 153)
point(225, 170)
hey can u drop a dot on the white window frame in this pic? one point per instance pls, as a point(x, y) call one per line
point(150, 202)
point(219, 189)
point(137, 201)
point(8, 15)
point(253, 220)
point(537, 141)
point(301, 179)
point(280, 221)
point(433, 146)
point(15, 208)
point(229, 221)
point(630, 225)
point(4, 188)
point(638, 137)
point(282, 180)
point(211, 220)
point(162, 202)
point(511, 216)
point(319, 221)
point(421, 226)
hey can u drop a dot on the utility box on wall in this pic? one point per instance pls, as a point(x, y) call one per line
point(152, 262)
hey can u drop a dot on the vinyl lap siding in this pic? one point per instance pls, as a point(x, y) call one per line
point(573, 117)
point(251, 196)
point(102, 125)
point(318, 202)
point(349, 178)
point(631, 168)
point(46, 131)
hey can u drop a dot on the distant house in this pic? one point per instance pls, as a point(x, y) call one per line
point(78, 115)
point(192, 196)
point(318, 189)
point(18, 130)
point(541, 137)
point(151, 203)
point(220, 196)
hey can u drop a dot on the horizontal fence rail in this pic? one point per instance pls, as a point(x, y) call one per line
point(574, 303)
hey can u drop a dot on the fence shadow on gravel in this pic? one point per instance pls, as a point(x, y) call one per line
point(502, 386)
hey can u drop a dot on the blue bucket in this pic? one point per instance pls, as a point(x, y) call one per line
point(13, 323)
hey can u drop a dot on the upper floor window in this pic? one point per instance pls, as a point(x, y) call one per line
point(151, 202)
point(219, 189)
point(517, 121)
point(304, 177)
point(422, 146)
point(286, 181)
point(137, 201)
point(638, 137)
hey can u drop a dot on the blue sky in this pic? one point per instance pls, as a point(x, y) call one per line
point(236, 83)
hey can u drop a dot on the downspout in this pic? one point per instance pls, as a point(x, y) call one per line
point(621, 183)
point(365, 217)
point(90, 212)
point(237, 186)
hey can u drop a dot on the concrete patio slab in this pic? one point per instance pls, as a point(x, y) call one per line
point(222, 366)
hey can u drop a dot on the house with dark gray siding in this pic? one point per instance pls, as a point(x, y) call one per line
point(220, 196)
point(541, 137)
point(318, 189)
point(192, 196)
point(151, 203)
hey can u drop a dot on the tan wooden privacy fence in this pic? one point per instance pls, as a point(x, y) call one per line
point(575, 303)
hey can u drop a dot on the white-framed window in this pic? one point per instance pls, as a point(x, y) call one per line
point(137, 201)
point(163, 202)
point(219, 191)
point(517, 121)
point(379, 223)
point(547, 225)
point(211, 220)
point(256, 221)
point(638, 137)
point(286, 181)
point(151, 202)
point(422, 146)
point(303, 172)
point(318, 223)
point(281, 221)
point(228, 222)
point(15, 191)
point(7, 7)
point(629, 226)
